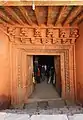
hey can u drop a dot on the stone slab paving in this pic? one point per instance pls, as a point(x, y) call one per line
point(11, 116)
point(49, 117)
point(19, 116)
point(56, 103)
point(3, 115)
point(41, 113)
point(41, 91)
point(76, 117)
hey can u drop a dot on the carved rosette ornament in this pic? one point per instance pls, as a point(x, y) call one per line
point(66, 36)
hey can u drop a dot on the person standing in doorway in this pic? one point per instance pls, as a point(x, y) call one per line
point(47, 73)
point(38, 76)
point(52, 74)
point(49, 80)
point(34, 81)
point(35, 70)
point(43, 73)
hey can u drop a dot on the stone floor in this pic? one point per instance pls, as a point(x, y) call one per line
point(44, 110)
point(44, 91)
point(65, 113)
point(49, 104)
point(44, 106)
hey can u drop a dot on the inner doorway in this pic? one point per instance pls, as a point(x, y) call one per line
point(48, 85)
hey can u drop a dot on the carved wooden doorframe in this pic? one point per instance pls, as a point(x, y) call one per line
point(61, 61)
point(37, 41)
point(64, 67)
point(18, 80)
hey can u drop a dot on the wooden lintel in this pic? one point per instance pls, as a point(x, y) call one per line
point(41, 2)
point(43, 27)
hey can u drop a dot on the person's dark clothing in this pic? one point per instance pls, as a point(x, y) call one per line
point(43, 73)
point(42, 70)
point(38, 76)
point(52, 74)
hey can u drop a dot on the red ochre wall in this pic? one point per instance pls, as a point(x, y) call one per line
point(5, 68)
point(4, 71)
point(79, 64)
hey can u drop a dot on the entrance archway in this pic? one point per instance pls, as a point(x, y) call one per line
point(48, 83)
point(24, 57)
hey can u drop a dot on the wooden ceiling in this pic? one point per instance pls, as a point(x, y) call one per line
point(42, 15)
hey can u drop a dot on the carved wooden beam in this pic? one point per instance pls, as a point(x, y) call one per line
point(58, 36)
point(63, 14)
point(6, 18)
point(49, 16)
point(78, 19)
point(42, 27)
point(73, 14)
point(53, 11)
point(36, 14)
point(41, 15)
point(81, 20)
point(2, 21)
point(41, 2)
point(13, 14)
point(25, 15)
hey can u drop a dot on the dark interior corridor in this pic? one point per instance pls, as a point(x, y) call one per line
point(45, 89)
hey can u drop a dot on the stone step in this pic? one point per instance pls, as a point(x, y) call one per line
point(53, 111)
point(18, 116)
point(45, 104)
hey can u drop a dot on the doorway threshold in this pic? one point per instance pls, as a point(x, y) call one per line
point(40, 100)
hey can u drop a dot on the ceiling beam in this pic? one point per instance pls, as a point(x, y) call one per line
point(49, 15)
point(5, 17)
point(37, 15)
point(77, 20)
point(40, 2)
point(25, 15)
point(73, 14)
point(63, 14)
point(2, 21)
point(11, 12)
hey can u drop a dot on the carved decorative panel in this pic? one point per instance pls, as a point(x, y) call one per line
point(19, 82)
point(37, 32)
point(66, 63)
point(67, 72)
point(74, 33)
point(60, 36)
point(55, 42)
